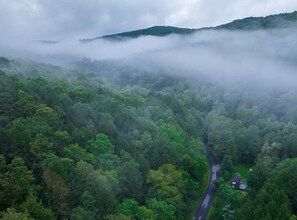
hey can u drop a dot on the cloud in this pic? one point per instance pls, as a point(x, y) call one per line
point(255, 57)
point(56, 20)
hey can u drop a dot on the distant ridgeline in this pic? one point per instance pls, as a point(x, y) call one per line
point(158, 31)
point(254, 23)
point(251, 23)
point(154, 31)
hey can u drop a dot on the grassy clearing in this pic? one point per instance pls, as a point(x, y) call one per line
point(243, 170)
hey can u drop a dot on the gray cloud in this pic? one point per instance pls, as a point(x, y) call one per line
point(71, 19)
point(260, 56)
point(264, 57)
point(257, 57)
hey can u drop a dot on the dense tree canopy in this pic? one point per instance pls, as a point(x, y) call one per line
point(107, 141)
point(75, 147)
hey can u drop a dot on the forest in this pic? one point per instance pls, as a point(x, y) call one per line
point(103, 140)
point(73, 146)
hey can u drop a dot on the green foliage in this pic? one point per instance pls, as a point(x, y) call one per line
point(91, 190)
point(16, 183)
point(130, 179)
point(4, 62)
point(12, 214)
point(36, 209)
point(196, 168)
point(243, 170)
point(103, 151)
point(214, 213)
point(57, 194)
point(20, 129)
point(167, 184)
point(173, 135)
point(276, 197)
point(77, 153)
point(162, 209)
point(257, 23)
point(251, 23)
point(128, 207)
point(101, 145)
point(58, 165)
point(144, 213)
point(131, 208)
point(79, 145)
point(227, 167)
point(81, 213)
point(118, 217)
point(87, 200)
point(47, 114)
point(153, 31)
point(228, 201)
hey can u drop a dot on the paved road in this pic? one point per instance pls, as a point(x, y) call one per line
point(203, 208)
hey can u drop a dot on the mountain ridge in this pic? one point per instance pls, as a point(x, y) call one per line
point(248, 23)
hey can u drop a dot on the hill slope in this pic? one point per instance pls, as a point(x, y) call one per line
point(268, 22)
point(251, 23)
point(159, 31)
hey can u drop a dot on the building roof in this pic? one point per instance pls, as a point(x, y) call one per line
point(236, 183)
point(242, 186)
point(236, 178)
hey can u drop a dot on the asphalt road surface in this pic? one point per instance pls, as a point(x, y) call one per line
point(203, 208)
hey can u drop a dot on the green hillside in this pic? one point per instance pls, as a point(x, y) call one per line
point(74, 146)
point(251, 23)
point(112, 140)
point(79, 144)
point(254, 23)
point(159, 31)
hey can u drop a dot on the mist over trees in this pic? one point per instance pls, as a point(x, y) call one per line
point(107, 140)
point(81, 148)
point(123, 137)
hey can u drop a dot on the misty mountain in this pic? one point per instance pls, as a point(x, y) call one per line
point(251, 23)
point(159, 31)
point(254, 23)
point(117, 128)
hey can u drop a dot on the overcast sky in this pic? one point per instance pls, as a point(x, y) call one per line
point(60, 19)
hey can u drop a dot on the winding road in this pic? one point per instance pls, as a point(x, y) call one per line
point(204, 206)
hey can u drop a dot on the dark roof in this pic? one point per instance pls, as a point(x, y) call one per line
point(236, 178)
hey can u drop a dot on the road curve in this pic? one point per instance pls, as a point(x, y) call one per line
point(204, 206)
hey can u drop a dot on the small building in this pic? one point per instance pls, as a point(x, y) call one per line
point(242, 186)
point(236, 183)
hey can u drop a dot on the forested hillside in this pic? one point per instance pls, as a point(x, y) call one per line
point(251, 23)
point(257, 23)
point(148, 110)
point(247, 123)
point(75, 147)
point(104, 140)
point(159, 31)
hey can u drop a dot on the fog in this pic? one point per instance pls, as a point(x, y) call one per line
point(268, 57)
